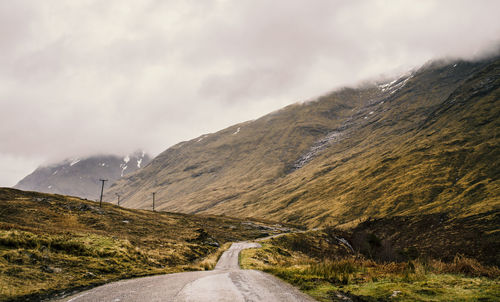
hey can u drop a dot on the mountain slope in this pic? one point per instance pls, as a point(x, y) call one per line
point(423, 143)
point(80, 177)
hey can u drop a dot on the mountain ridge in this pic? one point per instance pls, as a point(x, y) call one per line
point(80, 176)
point(358, 140)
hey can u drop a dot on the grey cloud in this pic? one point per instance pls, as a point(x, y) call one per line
point(85, 77)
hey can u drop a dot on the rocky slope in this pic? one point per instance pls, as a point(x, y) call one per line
point(80, 176)
point(423, 143)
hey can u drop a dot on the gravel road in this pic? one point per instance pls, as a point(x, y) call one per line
point(227, 282)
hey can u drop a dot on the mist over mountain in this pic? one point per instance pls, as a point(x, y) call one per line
point(80, 176)
point(422, 143)
point(348, 148)
point(87, 76)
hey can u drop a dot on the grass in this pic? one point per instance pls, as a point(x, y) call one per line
point(52, 245)
point(334, 276)
point(415, 180)
point(431, 147)
point(66, 261)
point(209, 262)
point(437, 236)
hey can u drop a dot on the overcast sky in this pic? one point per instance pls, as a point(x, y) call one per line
point(82, 76)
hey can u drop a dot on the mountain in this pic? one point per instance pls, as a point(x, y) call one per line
point(423, 143)
point(80, 176)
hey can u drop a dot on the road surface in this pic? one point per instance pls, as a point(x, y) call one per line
point(227, 282)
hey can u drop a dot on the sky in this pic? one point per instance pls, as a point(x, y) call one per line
point(84, 77)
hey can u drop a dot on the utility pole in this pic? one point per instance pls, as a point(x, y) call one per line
point(102, 190)
point(154, 193)
point(118, 195)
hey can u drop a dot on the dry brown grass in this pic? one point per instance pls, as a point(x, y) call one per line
point(429, 148)
point(462, 279)
point(61, 243)
point(466, 266)
point(209, 262)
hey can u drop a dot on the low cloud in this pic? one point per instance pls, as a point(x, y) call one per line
point(85, 77)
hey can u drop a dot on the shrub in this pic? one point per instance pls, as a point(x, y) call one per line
point(468, 266)
point(337, 272)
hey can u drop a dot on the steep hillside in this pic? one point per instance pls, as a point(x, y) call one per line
point(424, 143)
point(80, 176)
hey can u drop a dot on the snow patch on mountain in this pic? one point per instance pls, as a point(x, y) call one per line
point(201, 138)
point(76, 176)
point(395, 85)
point(319, 146)
point(359, 117)
point(386, 86)
point(124, 167)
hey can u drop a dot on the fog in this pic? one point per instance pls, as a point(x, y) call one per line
point(82, 77)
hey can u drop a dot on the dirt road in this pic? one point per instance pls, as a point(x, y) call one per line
point(227, 282)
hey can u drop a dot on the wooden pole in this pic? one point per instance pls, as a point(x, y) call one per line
point(154, 193)
point(102, 190)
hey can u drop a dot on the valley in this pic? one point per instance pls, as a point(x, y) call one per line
point(59, 247)
point(249, 151)
point(53, 245)
point(383, 192)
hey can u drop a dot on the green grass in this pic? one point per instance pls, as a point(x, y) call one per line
point(328, 275)
point(430, 287)
point(50, 244)
point(432, 147)
point(324, 281)
point(52, 262)
point(409, 287)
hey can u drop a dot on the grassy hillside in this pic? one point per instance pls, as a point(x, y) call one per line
point(324, 265)
point(50, 244)
point(222, 168)
point(425, 143)
point(424, 153)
